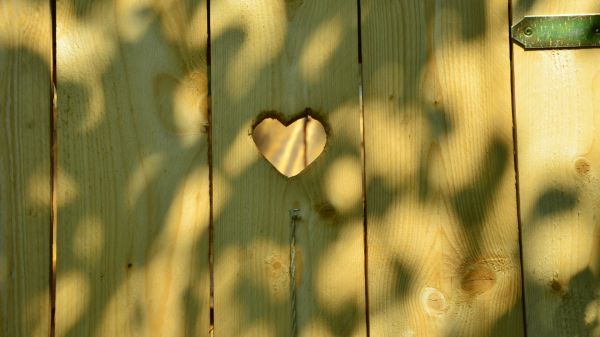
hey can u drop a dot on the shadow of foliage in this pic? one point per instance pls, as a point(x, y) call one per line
point(148, 214)
point(554, 200)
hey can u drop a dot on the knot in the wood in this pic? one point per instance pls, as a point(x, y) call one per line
point(557, 287)
point(583, 166)
point(434, 302)
point(477, 279)
point(325, 210)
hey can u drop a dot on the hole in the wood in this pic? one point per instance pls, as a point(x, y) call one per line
point(290, 146)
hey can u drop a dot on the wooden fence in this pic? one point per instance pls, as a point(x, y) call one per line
point(457, 193)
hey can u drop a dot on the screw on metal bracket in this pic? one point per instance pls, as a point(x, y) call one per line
point(558, 31)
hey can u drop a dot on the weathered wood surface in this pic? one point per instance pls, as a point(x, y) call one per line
point(25, 168)
point(557, 98)
point(443, 248)
point(282, 57)
point(133, 188)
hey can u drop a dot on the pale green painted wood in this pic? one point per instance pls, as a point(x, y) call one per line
point(25, 168)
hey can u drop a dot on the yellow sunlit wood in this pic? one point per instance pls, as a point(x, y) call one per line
point(442, 224)
point(557, 100)
point(132, 184)
point(284, 58)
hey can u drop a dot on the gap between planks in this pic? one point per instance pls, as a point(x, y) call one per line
point(516, 161)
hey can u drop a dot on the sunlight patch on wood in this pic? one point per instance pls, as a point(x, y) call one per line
point(320, 47)
point(66, 186)
point(339, 279)
point(315, 327)
point(88, 241)
point(134, 18)
point(237, 158)
point(143, 177)
point(223, 195)
point(262, 29)
point(84, 66)
point(23, 25)
point(562, 232)
point(40, 326)
point(342, 196)
point(74, 291)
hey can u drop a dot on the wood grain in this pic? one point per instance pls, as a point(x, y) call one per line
point(443, 254)
point(557, 97)
point(284, 57)
point(25, 168)
point(133, 190)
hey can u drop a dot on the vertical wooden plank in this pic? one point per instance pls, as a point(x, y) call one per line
point(133, 191)
point(280, 58)
point(25, 168)
point(557, 97)
point(441, 203)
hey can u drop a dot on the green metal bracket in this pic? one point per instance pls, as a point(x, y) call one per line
point(556, 32)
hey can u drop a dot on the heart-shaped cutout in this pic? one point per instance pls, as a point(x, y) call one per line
point(290, 146)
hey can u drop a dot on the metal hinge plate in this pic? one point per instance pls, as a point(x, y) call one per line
point(556, 32)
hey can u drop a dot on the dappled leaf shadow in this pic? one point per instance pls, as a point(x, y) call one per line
point(403, 278)
point(553, 201)
point(144, 219)
point(482, 190)
point(571, 315)
point(25, 191)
